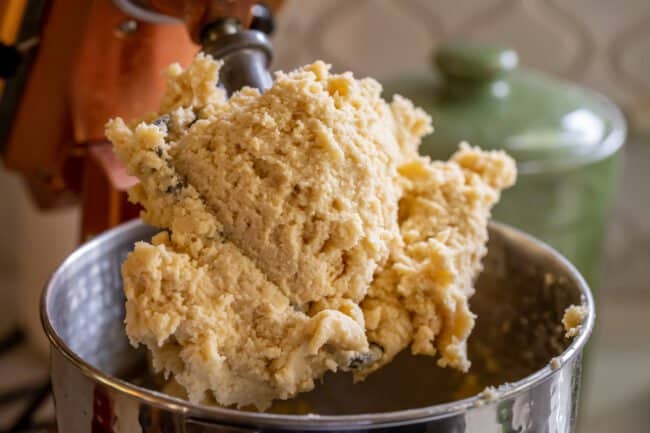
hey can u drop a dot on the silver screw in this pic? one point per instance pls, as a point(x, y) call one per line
point(127, 27)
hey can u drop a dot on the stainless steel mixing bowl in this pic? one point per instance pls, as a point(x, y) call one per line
point(100, 382)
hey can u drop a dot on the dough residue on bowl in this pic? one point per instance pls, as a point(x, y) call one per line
point(301, 233)
point(572, 320)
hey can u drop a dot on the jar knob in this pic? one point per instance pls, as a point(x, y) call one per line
point(474, 61)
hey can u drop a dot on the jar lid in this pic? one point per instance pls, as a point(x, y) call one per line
point(474, 61)
point(478, 94)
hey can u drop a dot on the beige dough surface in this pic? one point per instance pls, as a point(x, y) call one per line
point(301, 233)
point(572, 320)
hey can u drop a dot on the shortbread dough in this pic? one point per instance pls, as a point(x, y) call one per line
point(301, 233)
point(572, 320)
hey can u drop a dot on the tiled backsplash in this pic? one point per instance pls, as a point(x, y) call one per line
point(604, 44)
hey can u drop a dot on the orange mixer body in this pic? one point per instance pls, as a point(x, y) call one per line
point(92, 63)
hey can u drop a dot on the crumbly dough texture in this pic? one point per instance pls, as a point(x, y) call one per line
point(572, 320)
point(302, 233)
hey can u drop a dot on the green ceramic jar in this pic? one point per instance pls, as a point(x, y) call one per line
point(566, 140)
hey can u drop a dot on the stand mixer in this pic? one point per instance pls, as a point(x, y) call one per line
point(112, 69)
point(233, 31)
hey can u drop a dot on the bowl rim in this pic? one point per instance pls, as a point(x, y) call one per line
point(207, 413)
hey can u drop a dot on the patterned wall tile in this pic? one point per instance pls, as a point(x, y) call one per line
point(629, 241)
point(452, 14)
point(373, 37)
point(631, 63)
point(604, 18)
point(545, 37)
point(295, 24)
point(609, 25)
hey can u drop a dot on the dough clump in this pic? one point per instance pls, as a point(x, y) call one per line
point(572, 320)
point(302, 233)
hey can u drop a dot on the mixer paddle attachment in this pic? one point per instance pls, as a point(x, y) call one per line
point(246, 54)
point(234, 31)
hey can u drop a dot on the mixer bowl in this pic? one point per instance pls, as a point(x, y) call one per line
point(101, 383)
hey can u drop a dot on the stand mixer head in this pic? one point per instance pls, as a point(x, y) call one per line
point(232, 31)
point(106, 58)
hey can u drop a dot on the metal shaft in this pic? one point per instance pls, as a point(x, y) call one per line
point(246, 55)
